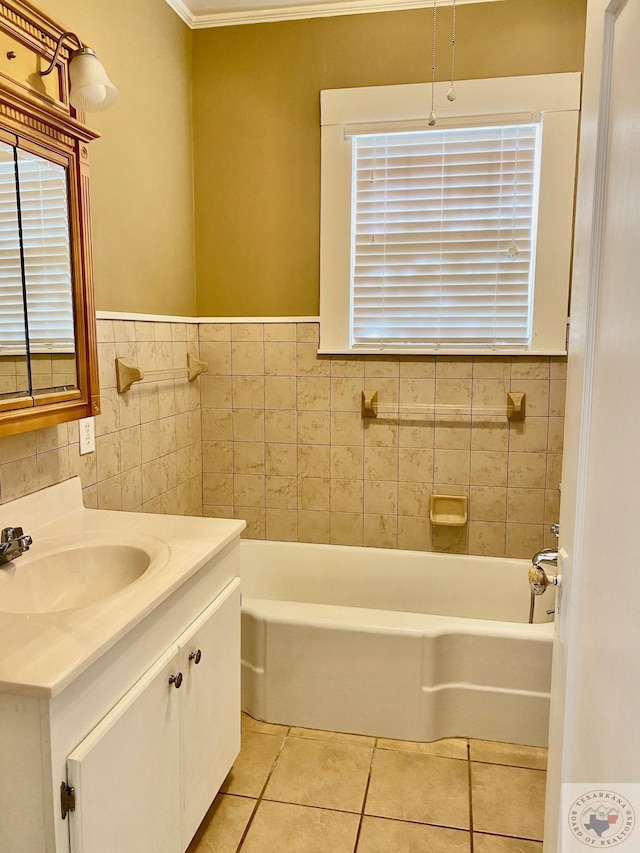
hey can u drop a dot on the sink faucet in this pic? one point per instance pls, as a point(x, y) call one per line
point(13, 543)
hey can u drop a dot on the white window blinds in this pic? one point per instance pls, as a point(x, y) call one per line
point(47, 253)
point(442, 243)
point(34, 245)
point(12, 326)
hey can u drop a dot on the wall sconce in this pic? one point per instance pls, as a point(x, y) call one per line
point(91, 89)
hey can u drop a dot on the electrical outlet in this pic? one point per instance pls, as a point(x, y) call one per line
point(87, 435)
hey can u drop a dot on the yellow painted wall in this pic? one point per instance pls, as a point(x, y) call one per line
point(257, 137)
point(142, 167)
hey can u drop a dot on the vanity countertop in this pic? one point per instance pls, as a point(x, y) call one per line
point(42, 653)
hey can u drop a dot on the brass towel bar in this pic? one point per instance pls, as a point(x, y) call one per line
point(127, 374)
point(514, 410)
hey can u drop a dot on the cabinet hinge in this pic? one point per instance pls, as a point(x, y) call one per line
point(67, 799)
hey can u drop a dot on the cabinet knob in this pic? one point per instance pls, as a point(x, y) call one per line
point(196, 657)
point(176, 680)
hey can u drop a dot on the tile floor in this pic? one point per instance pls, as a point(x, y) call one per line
point(303, 791)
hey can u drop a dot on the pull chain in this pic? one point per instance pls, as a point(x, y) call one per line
point(432, 114)
point(513, 251)
point(451, 94)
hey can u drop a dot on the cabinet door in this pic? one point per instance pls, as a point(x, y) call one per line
point(126, 772)
point(210, 701)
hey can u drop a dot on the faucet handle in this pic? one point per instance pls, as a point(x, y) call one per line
point(25, 541)
point(9, 534)
point(555, 529)
point(17, 536)
point(539, 580)
point(13, 542)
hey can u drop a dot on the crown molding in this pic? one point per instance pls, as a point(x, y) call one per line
point(181, 9)
point(303, 10)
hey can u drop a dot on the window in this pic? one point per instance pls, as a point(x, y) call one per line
point(455, 238)
point(442, 236)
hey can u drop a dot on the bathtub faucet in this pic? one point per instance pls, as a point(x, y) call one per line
point(13, 543)
point(539, 580)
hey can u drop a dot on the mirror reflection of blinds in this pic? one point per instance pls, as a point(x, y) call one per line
point(12, 327)
point(47, 253)
point(437, 214)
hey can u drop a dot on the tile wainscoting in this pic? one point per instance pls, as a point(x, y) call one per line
point(286, 448)
point(148, 441)
point(273, 434)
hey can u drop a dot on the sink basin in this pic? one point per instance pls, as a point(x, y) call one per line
point(51, 577)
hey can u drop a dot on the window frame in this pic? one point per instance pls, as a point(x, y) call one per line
point(345, 112)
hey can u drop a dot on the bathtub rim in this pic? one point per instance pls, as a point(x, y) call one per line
point(342, 617)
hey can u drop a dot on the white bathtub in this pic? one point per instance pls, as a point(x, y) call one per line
point(400, 644)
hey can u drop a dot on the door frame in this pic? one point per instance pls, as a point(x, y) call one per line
point(586, 284)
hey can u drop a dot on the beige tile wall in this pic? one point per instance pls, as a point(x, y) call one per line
point(47, 371)
point(278, 433)
point(13, 374)
point(53, 371)
point(148, 441)
point(286, 448)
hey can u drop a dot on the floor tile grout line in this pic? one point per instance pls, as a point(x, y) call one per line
point(364, 799)
point(333, 740)
point(308, 806)
point(429, 754)
point(362, 814)
point(503, 764)
point(510, 837)
point(261, 794)
point(413, 822)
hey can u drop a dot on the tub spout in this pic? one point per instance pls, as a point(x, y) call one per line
point(547, 555)
point(539, 578)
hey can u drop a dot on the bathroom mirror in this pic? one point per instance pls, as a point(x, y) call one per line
point(48, 352)
point(37, 336)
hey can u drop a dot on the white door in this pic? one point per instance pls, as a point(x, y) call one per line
point(594, 738)
point(210, 697)
point(126, 772)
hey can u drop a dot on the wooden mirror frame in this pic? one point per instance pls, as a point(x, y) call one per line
point(37, 111)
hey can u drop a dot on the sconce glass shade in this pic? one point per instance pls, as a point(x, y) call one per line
point(91, 89)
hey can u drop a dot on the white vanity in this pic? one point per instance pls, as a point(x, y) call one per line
point(119, 676)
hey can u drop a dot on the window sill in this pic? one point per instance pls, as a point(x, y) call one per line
point(442, 351)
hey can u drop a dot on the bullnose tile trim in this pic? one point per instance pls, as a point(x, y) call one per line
point(169, 318)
